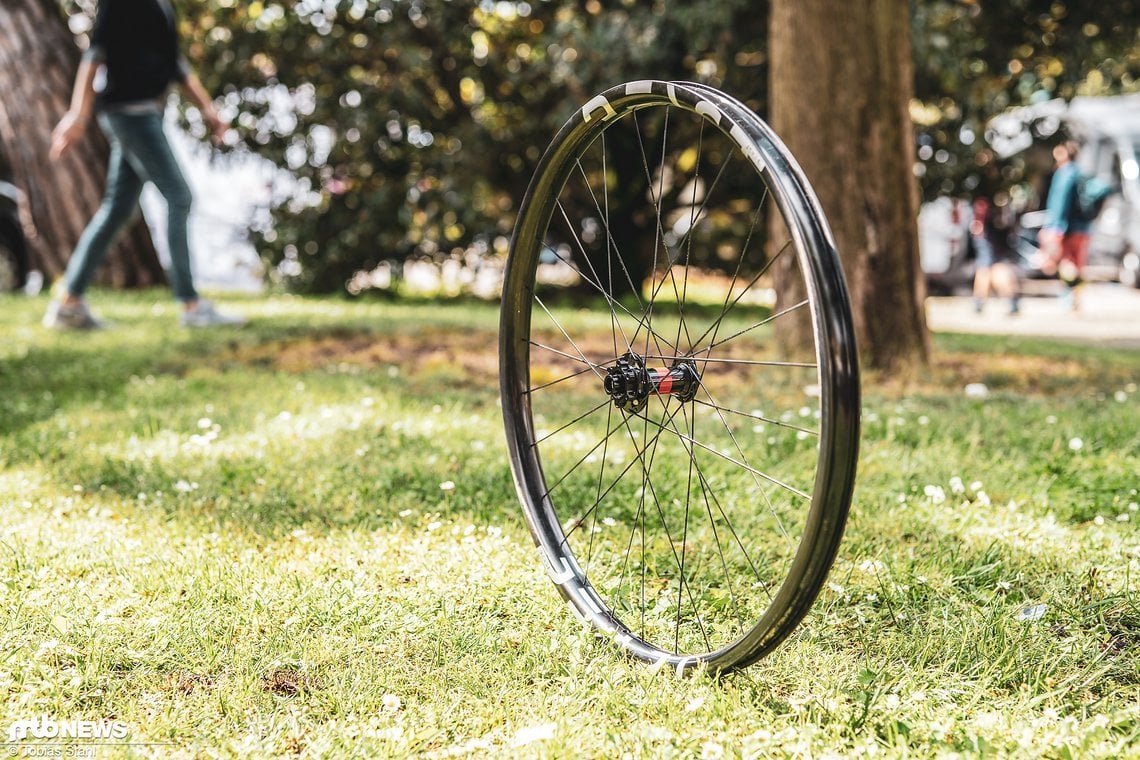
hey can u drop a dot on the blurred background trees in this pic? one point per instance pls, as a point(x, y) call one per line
point(412, 127)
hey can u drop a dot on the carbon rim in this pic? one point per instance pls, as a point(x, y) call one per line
point(673, 510)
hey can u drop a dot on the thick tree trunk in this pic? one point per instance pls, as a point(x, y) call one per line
point(38, 61)
point(841, 84)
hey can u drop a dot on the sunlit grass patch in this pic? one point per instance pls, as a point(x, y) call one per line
point(301, 538)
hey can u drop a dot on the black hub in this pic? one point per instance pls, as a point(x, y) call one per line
point(630, 383)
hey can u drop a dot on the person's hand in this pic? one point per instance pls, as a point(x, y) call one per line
point(217, 126)
point(68, 132)
point(1049, 245)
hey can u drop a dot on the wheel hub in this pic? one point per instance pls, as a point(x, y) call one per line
point(630, 383)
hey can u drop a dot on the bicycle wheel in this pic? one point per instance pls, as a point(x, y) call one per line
point(684, 460)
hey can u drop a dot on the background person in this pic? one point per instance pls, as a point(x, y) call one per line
point(994, 269)
point(134, 43)
point(1064, 238)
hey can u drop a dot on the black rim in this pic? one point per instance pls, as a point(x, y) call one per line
point(686, 480)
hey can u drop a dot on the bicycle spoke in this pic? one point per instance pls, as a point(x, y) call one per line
point(563, 379)
point(724, 312)
point(741, 362)
point(746, 467)
point(647, 485)
point(590, 366)
point(757, 417)
point(572, 422)
point(761, 323)
point(609, 298)
point(566, 335)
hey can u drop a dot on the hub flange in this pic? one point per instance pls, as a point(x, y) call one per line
point(630, 383)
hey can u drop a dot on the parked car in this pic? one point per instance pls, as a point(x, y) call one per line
point(13, 247)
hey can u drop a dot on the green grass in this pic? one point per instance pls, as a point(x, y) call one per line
point(301, 538)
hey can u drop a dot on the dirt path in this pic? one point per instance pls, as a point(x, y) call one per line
point(1109, 315)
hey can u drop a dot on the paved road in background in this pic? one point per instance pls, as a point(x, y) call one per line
point(1109, 315)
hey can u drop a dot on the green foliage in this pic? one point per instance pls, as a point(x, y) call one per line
point(414, 126)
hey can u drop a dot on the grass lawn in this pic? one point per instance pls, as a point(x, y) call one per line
point(301, 538)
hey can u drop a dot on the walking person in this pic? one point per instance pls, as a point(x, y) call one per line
point(134, 47)
point(994, 269)
point(1064, 238)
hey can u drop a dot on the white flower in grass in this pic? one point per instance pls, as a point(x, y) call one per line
point(391, 702)
point(983, 498)
point(1076, 444)
point(977, 390)
point(1051, 419)
point(976, 486)
point(205, 423)
point(872, 566)
point(183, 486)
point(532, 734)
point(447, 485)
point(1120, 396)
point(711, 751)
point(935, 493)
point(956, 485)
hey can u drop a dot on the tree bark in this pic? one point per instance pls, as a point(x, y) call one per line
point(38, 61)
point(841, 84)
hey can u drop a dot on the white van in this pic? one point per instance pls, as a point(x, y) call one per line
point(1109, 130)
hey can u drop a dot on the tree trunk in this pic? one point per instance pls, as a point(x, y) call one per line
point(841, 84)
point(38, 61)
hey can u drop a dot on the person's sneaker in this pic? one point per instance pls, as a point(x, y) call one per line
point(71, 316)
point(205, 315)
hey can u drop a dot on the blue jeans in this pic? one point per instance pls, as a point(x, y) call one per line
point(139, 153)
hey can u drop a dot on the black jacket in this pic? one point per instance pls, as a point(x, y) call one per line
point(138, 42)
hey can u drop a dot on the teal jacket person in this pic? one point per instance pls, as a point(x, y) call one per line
point(1060, 205)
